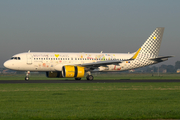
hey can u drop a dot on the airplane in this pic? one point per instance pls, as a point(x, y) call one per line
point(76, 65)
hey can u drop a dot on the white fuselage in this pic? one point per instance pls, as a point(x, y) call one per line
point(48, 61)
point(75, 65)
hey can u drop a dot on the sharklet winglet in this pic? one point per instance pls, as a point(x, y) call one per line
point(136, 54)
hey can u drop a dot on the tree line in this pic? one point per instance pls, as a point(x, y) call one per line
point(163, 68)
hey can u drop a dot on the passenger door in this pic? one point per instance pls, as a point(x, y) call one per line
point(29, 59)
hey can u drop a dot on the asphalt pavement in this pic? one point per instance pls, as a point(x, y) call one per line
point(81, 81)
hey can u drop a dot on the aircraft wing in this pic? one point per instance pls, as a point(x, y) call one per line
point(160, 59)
point(95, 65)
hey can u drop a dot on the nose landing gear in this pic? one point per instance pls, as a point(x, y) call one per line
point(27, 75)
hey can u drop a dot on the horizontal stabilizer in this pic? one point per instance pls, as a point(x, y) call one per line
point(160, 59)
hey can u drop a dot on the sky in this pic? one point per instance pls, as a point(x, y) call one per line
point(113, 26)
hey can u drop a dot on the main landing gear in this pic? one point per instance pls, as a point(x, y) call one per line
point(89, 76)
point(27, 75)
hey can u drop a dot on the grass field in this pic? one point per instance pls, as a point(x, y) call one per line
point(110, 76)
point(90, 101)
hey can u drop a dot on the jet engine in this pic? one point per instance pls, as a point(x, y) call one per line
point(56, 74)
point(69, 71)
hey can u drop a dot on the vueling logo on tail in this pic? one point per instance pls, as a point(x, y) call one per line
point(150, 49)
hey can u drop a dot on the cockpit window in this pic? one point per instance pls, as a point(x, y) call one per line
point(15, 58)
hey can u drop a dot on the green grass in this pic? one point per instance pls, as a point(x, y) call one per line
point(110, 76)
point(90, 101)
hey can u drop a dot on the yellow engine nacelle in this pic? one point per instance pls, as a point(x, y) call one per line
point(57, 74)
point(69, 71)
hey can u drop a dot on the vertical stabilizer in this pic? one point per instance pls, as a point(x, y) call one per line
point(150, 49)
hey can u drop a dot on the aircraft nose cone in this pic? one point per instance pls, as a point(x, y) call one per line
point(6, 64)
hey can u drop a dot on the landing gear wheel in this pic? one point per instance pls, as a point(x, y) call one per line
point(77, 78)
point(27, 75)
point(26, 78)
point(89, 77)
